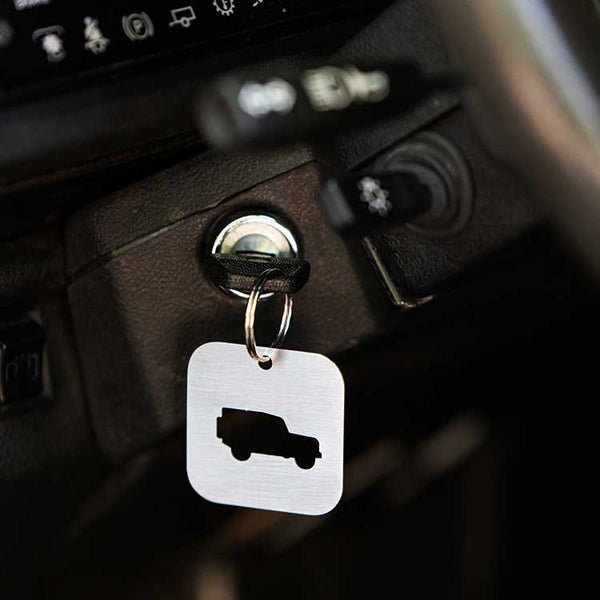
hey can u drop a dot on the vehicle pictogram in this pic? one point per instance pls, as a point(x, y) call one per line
point(248, 432)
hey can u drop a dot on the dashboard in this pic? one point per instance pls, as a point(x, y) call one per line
point(112, 207)
point(84, 82)
point(54, 41)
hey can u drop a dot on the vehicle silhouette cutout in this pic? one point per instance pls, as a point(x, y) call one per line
point(248, 432)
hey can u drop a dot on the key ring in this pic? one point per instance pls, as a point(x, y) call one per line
point(251, 314)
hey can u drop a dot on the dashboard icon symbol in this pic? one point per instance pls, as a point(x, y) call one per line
point(183, 16)
point(138, 26)
point(95, 41)
point(50, 40)
point(225, 7)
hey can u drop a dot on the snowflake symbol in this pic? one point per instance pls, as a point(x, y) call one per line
point(375, 196)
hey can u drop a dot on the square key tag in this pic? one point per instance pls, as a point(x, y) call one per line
point(269, 439)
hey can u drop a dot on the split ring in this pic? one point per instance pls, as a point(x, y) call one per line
point(251, 314)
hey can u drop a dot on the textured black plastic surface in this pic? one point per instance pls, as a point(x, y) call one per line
point(502, 209)
point(48, 459)
point(142, 305)
point(166, 198)
point(21, 354)
point(403, 31)
point(141, 312)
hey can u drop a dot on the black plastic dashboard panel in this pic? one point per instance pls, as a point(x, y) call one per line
point(141, 300)
point(79, 125)
point(45, 41)
point(125, 113)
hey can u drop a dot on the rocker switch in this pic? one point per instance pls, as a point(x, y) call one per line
point(21, 353)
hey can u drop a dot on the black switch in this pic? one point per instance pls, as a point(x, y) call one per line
point(358, 204)
point(21, 353)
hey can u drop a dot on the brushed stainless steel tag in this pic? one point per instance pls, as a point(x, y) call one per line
point(269, 439)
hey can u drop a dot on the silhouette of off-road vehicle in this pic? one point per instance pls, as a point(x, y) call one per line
point(247, 432)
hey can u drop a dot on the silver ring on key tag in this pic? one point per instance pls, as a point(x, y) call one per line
point(251, 314)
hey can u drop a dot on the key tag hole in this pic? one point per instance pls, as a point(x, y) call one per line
point(267, 365)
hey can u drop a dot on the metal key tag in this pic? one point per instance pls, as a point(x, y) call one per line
point(269, 438)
